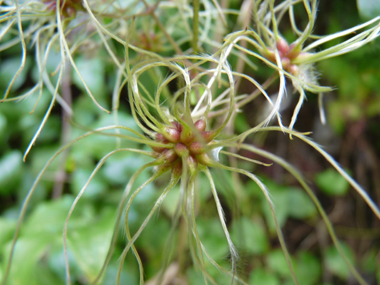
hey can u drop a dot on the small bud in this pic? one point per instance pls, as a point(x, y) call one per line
point(208, 136)
point(270, 55)
point(159, 137)
point(187, 136)
point(293, 69)
point(282, 46)
point(294, 51)
point(205, 159)
point(200, 125)
point(158, 149)
point(285, 63)
point(196, 148)
point(181, 150)
point(172, 134)
point(167, 157)
point(177, 125)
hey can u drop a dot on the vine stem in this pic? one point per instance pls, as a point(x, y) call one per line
point(195, 25)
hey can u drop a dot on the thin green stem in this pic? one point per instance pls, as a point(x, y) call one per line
point(173, 181)
point(195, 25)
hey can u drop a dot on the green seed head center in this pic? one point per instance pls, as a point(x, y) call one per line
point(190, 143)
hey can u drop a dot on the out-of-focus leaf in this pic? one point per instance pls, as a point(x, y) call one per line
point(90, 243)
point(128, 275)
point(39, 156)
point(7, 228)
point(368, 9)
point(39, 194)
point(92, 72)
point(44, 276)
point(212, 237)
point(374, 108)
point(8, 69)
point(194, 276)
point(50, 132)
point(335, 262)
point(241, 124)
point(122, 119)
point(299, 204)
point(277, 262)
point(332, 183)
point(10, 171)
point(261, 276)
point(341, 111)
point(152, 242)
point(28, 252)
point(249, 236)
point(170, 203)
point(3, 125)
point(369, 261)
point(48, 218)
point(308, 268)
point(121, 166)
point(57, 264)
point(195, 95)
point(53, 61)
point(79, 179)
point(280, 201)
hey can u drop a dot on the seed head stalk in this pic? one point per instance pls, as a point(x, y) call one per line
point(195, 25)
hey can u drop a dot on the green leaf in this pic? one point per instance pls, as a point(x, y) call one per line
point(277, 262)
point(44, 276)
point(48, 218)
point(3, 125)
point(7, 229)
point(92, 72)
point(29, 124)
point(128, 275)
point(90, 242)
point(241, 124)
point(300, 205)
point(332, 183)
point(280, 201)
point(368, 9)
point(170, 203)
point(8, 69)
point(369, 260)
point(28, 252)
point(40, 155)
point(308, 268)
point(213, 238)
point(152, 243)
point(194, 276)
point(121, 166)
point(335, 262)
point(10, 171)
point(249, 236)
point(94, 189)
point(261, 276)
